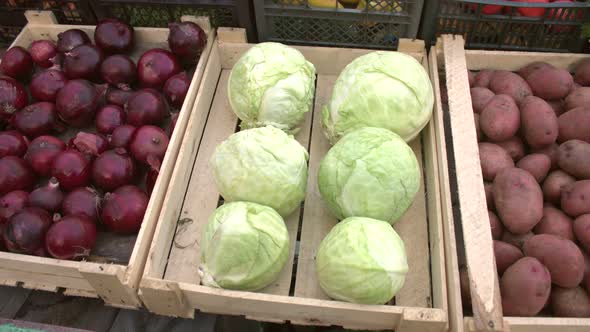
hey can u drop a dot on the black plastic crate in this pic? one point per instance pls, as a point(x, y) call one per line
point(151, 13)
point(344, 23)
point(520, 26)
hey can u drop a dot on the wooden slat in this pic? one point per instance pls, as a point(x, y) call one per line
point(548, 324)
point(107, 281)
point(485, 292)
point(39, 265)
point(164, 298)
point(513, 61)
point(49, 282)
point(12, 299)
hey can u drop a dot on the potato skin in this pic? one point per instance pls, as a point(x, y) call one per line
point(471, 77)
point(506, 255)
point(506, 82)
point(554, 184)
point(488, 187)
point(577, 98)
point(550, 83)
point(514, 146)
point(562, 258)
point(533, 66)
point(582, 231)
point(539, 123)
point(482, 79)
point(493, 159)
point(575, 124)
point(573, 157)
point(480, 97)
point(558, 106)
point(537, 164)
point(582, 73)
point(556, 223)
point(500, 118)
point(517, 240)
point(495, 225)
point(525, 287)
point(570, 302)
point(514, 189)
point(551, 152)
point(575, 198)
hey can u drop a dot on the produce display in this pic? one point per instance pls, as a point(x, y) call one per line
point(534, 148)
point(85, 130)
point(368, 179)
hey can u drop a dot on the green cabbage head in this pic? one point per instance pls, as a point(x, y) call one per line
point(244, 246)
point(362, 260)
point(262, 165)
point(380, 89)
point(271, 84)
point(370, 172)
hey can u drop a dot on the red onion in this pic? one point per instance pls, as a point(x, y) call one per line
point(72, 237)
point(145, 107)
point(13, 97)
point(11, 203)
point(77, 101)
point(148, 142)
point(82, 201)
point(36, 119)
point(83, 62)
point(108, 118)
point(16, 63)
point(25, 230)
point(113, 169)
point(172, 124)
point(71, 169)
point(124, 209)
point(46, 84)
point(15, 174)
point(155, 66)
point(70, 39)
point(176, 88)
point(48, 198)
point(187, 40)
point(118, 97)
point(43, 52)
point(90, 144)
point(41, 153)
point(118, 70)
point(121, 136)
point(114, 36)
point(151, 178)
point(12, 143)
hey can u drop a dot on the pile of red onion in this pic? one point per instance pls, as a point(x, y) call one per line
point(82, 134)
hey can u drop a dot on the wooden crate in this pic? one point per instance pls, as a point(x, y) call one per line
point(116, 284)
point(171, 285)
point(476, 243)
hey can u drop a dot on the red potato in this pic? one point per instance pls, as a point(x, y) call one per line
point(509, 83)
point(550, 83)
point(537, 164)
point(539, 123)
point(500, 118)
point(518, 199)
point(554, 184)
point(579, 97)
point(482, 79)
point(558, 106)
point(488, 186)
point(493, 159)
point(562, 257)
point(575, 124)
point(516, 240)
point(477, 127)
point(575, 198)
point(573, 157)
point(525, 287)
point(514, 146)
point(506, 255)
point(533, 66)
point(495, 225)
point(480, 97)
point(551, 152)
point(582, 231)
point(582, 72)
point(471, 77)
point(570, 302)
point(556, 223)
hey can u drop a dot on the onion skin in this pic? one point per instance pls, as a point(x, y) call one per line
point(90, 144)
point(71, 169)
point(186, 40)
point(113, 169)
point(121, 136)
point(48, 198)
point(119, 71)
point(114, 36)
point(72, 237)
point(25, 230)
point(17, 63)
point(70, 39)
point(43, 52)
point(124, 209)
point(82, 201)
point(108, 118)
point(15, 174)
point(41, 153)
point(46, 84)
point(36, 119)
point(146, 106)
point(176, 88)
point(11, 203)
point(155, 67)
point(118, 97)
point(12, 143)
point(77, 102)
point(83, 62)
point(149, 142)
point(13, 97)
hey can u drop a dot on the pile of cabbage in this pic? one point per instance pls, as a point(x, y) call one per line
point(368, 179)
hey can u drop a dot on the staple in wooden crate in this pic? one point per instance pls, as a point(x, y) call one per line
point(170, 284)
point(115, 283)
